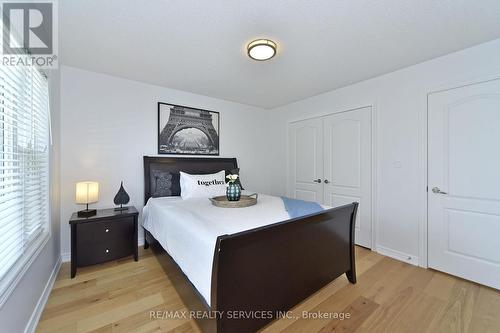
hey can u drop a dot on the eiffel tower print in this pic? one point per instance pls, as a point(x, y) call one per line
point(185, 130)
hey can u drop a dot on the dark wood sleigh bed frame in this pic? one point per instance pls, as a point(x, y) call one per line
point(267, 270)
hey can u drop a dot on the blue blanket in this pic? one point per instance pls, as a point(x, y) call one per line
point(298, 208)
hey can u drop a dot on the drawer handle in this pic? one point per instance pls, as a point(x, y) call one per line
point(107, 230)
point(107, 251)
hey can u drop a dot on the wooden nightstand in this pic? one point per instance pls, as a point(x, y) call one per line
point(106, 236)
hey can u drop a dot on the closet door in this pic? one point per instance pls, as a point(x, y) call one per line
point(347, 166)
point(306, 160)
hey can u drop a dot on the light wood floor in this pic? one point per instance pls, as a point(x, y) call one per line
point(390, 296)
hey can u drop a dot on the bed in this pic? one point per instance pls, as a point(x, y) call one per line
point(249, 265)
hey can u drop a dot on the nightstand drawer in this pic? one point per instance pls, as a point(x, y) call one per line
point(103, 251)
point(95, 232)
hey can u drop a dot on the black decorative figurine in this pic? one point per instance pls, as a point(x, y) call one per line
point(121, 198)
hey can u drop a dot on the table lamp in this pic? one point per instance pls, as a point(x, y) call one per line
point(86, 193)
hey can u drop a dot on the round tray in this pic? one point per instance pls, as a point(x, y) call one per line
point(245, 201)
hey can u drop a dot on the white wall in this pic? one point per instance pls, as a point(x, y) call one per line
point(23, 307)
point(109, 123)
point(400, 102)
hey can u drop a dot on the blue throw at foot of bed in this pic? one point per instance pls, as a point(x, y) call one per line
point(297, 208)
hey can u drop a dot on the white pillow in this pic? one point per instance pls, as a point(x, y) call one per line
point(203, 186)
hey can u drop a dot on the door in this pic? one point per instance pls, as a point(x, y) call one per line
point(464, 182)
point(348, 166)
point(306, 160)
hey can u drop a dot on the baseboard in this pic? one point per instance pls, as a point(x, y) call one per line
point(66, 257)
point(40, 305)
point(398, 255)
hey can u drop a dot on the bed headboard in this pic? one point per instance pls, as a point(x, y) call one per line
point(163, 172)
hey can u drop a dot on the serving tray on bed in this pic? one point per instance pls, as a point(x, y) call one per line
point(245, 201)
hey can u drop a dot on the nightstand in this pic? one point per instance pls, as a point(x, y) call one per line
point(108, 235)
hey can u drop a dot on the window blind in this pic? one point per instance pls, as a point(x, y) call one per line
point(24, 163)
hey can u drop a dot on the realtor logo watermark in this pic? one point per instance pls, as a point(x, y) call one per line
point(29, 33)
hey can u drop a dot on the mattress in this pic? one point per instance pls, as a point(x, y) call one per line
point(188, 230)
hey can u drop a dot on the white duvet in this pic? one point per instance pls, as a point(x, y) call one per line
point(188, 230)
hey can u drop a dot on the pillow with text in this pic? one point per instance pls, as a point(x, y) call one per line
point(203, 186)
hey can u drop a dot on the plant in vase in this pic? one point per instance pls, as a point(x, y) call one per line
point(233, 191)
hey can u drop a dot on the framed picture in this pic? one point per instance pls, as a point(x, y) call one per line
point(183, 130)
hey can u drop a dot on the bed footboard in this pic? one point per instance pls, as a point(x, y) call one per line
point(261, 273)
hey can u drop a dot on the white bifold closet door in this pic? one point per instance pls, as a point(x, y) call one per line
point(330, 162)
point(347, 170)
point(306, 160)
point(464, 182)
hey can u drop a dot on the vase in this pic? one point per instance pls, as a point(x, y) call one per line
point(233, 192)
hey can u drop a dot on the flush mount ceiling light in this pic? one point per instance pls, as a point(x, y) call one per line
point(261, 49)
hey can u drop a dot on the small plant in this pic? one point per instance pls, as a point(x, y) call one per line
point(232, 178)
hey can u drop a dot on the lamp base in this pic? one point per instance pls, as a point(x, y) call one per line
point(120, 209)
point(87, 212)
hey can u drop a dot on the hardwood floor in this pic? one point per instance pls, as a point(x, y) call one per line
point(390, 296)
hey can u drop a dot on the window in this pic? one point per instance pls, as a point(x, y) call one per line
point(24, 169)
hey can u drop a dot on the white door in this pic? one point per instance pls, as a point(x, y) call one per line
point(464, 182)
point(306, 160)
point(348, 166)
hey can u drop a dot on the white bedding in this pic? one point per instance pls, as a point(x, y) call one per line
point(188, 230)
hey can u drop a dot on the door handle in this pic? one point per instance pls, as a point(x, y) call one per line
point(317, 180)
point(326, 181)
point(436, 190)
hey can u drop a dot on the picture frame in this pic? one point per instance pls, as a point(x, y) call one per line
point(185, 130)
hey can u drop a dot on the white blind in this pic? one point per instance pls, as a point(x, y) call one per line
point(24, 162)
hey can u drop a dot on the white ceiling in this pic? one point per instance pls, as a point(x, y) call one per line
point(199, 46)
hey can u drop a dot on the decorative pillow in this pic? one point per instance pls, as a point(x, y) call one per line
point(203, 186)
point(161, 184)
point(236, 172)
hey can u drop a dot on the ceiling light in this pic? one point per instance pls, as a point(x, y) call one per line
point(261, 49)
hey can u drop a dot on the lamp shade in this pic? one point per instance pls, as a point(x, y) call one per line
point(87, 192)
